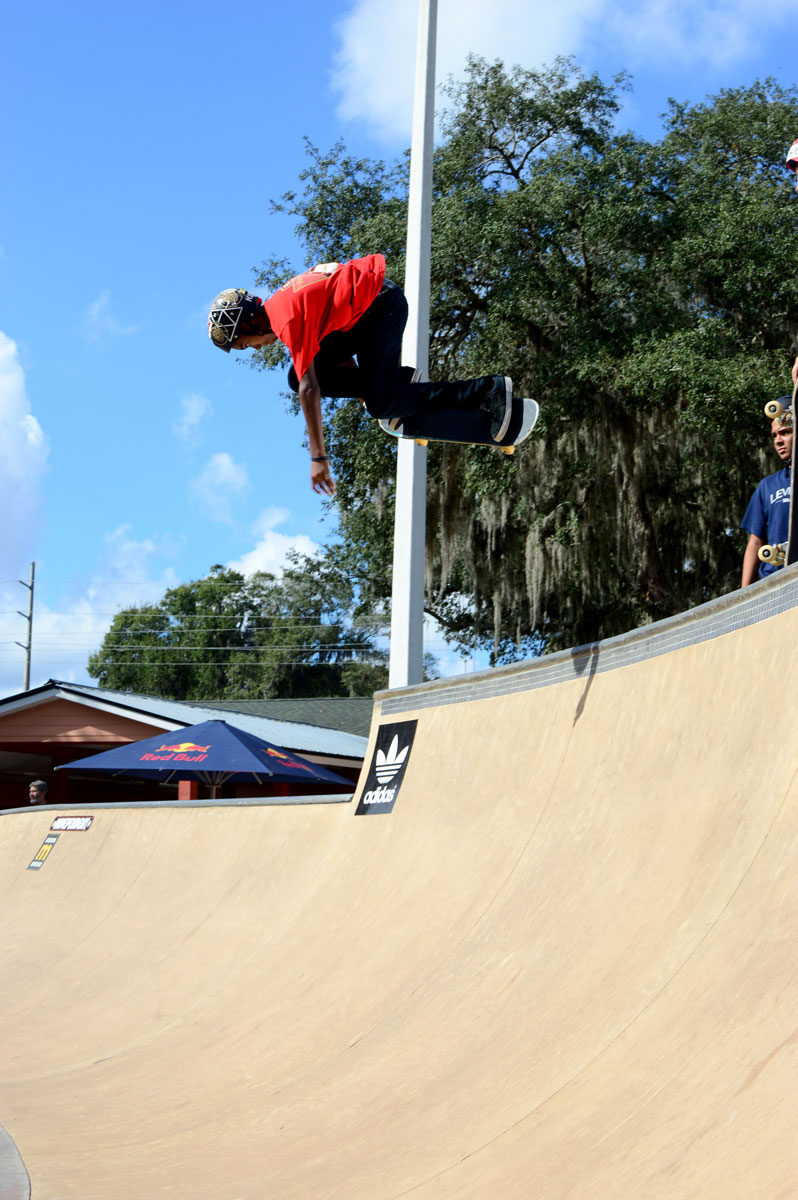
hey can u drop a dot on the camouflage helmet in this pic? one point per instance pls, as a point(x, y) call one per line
point(231, 308)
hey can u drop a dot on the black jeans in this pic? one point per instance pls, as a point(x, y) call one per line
point(378, 379)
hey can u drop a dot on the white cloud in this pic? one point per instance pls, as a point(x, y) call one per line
point(99, 321)
point(221, 480)
point(125, 577)
point(271, 551)
point(63, 639)
point(23, 456)
point(513, 30)
point(193, 410)
point(717, 33)
point(132, 571)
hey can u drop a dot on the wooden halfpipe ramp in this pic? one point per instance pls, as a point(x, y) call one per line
point(548, 950)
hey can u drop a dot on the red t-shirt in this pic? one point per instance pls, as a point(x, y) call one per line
point(331, 297)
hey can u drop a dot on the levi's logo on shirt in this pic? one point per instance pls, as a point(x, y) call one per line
point(781, 496)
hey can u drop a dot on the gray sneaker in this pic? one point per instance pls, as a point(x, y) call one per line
point(499, 405)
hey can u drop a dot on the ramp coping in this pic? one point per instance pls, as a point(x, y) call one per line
point(238, 802)
point(747, 606)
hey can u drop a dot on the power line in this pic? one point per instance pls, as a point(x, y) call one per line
point(183, 646)
point(243, 666)
point(188, 618)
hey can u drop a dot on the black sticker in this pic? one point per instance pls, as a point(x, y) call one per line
point(387, 770)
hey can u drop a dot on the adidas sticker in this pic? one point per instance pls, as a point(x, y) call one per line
point(388, 765)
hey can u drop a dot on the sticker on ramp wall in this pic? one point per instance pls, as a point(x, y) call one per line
point(41, 855)
point(387, 770)
point(75, 824)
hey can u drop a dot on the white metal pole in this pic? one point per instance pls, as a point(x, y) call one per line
point(407, 605)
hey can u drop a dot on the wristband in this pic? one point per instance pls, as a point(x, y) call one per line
point(321, 458)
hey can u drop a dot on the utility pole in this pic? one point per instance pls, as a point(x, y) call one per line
point(407, 603)
point(27, 646)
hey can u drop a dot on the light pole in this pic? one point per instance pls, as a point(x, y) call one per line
point(407, 604)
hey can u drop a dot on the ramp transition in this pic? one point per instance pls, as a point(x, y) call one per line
point(560, 961)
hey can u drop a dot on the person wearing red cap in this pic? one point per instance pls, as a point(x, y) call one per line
point(329, 317)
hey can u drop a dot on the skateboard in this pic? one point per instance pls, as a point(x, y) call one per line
point(466, 428)
point(784, 552)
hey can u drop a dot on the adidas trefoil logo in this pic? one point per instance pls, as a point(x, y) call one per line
point(388, 765)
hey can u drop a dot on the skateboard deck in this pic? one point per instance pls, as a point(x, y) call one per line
point(792, 536)
point(784, 553)
point(466, 428)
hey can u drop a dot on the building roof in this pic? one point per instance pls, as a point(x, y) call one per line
point(302, 734)
point(348, 714)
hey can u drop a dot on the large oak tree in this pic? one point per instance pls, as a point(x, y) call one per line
point(644, 292)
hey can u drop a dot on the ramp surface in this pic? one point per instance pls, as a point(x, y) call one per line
point(563, 964)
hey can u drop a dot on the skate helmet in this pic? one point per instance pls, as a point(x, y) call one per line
point(232, 314)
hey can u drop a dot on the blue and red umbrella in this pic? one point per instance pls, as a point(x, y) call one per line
point(211, 752)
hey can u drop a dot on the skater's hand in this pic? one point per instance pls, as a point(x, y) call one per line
point(795, 364)
point(320, 478)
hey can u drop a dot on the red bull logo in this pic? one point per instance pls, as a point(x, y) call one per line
point(183, 748)
point(288, 761)
point(177, 752)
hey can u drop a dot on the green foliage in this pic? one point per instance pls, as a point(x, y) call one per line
point(228, 637)
point(641, 291)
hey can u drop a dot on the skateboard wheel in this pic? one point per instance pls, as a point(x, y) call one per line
point(771, 554)
point(420, 441)
point(507, 449)
point(773, 410)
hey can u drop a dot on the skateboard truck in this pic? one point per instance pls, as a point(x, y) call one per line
point(775, 411)
point(775, 554)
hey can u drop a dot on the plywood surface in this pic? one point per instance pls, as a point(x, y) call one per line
point(564, 966)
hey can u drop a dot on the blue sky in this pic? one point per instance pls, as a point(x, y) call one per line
point(140, 148)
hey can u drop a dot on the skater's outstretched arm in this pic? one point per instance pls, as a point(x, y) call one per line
point(310, 398)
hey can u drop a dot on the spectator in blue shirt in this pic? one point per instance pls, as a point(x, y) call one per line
point(767, 518)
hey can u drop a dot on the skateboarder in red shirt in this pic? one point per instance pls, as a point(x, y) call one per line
point(331, 315)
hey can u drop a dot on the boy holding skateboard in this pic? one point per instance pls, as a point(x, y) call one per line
point(767, 518)
point(327, 317)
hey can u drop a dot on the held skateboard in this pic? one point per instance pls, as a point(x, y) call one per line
point(465, 428)
point(784, 552)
